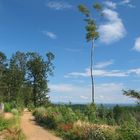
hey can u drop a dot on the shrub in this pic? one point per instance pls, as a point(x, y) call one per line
point(80, 115)
point(101, 112)
point(51, 117)
point(39, 114)
point(87, 131)
point(68, 115)
point(95, 131)
point(90, 112)
point(8, 107)
point(129, 130)
point(46, 117)
point(14, 111)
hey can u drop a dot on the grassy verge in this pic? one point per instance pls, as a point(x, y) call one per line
point(10, 128)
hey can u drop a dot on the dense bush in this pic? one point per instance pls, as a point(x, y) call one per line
point(51, 117)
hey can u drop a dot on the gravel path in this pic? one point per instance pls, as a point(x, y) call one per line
point(33, 131)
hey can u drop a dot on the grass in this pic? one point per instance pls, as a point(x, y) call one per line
point(10, 128)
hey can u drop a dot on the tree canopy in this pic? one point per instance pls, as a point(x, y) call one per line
point(132, 93)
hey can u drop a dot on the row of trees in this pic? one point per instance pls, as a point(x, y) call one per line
point(24, 78)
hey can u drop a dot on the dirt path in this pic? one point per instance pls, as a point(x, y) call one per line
point(33, 131)
point(8, 115)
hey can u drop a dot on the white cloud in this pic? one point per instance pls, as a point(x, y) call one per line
point(58, 5)
point(127, 2)
point(49, 34)
point(104, 93)
point(98, 73)
point(78, 74)
point(103, 64)
point(104, 73)
point(111, 4)
point(84, 97)
point(61, 88)
point(137, 44)
point(109, 88)
point(134, 71)
point(73, 92)
point(131, 6)
point(113, 30)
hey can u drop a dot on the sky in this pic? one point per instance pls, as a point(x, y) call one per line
point(58, 26)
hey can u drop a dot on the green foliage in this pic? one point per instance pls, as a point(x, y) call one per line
point(68, 114)
point(47, 116)
point(31, 107)
point(97, 133)
point(80, 115)
point(9, 106)
point(3, 124)
point(84, 10)
point(129, 130)
point(38, 71)
point(11, 127)
point(122, 115)
point(90, 112)
point(90, 122)
point(132, 94)
point(15, 111)
point(24, 79)
point(91, 28)
point(97, 6)
point(118, 114)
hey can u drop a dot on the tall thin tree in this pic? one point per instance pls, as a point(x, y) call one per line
point(92, 34)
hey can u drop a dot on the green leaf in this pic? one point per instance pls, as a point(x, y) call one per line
point(97, 6)
point(84, 10)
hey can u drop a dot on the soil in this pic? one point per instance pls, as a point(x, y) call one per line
point(8, 115)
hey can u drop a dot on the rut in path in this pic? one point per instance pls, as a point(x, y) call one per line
point(33, 131)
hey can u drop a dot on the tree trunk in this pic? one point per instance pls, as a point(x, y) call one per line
point(91, 71)
point(34, 92)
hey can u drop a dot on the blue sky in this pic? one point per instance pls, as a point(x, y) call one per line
point(57, 26)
